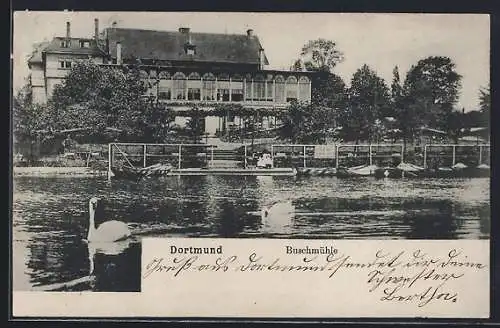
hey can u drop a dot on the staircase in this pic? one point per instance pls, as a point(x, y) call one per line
point(225, 159)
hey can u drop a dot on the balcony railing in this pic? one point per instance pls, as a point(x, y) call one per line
point(205, 103)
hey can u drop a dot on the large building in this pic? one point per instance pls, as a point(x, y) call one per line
point(182, 68)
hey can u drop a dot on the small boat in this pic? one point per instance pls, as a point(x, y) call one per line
point(357, 171)
point(459, 170)
point(402, 170)
point(132, 173)
point(388, 172)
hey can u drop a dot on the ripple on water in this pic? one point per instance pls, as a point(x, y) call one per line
point(50, 216)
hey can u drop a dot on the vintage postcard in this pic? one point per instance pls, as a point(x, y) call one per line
point(250, 165)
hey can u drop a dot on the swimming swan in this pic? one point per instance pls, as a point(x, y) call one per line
point(278, 209)
point(109, 231)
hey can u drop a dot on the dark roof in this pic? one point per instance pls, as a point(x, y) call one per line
point(169, 46)
point(55, 47)
point(36, 55)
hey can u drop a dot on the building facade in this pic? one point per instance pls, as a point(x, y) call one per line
point(182, 69)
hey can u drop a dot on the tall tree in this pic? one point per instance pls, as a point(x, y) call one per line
point(319, 55)
point(396, 92)
point(431, 91)
point(369, 100)
point(329, 92)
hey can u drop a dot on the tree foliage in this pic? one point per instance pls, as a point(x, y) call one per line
point(431, 91)
point(319, 55)
point(485, 99)
point(29, 122)
point(396, 92)
point(369, 100)
point(305, 123)
point(195, 125)
point(100, 98)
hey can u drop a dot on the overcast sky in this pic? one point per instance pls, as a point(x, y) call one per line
point(379, 40)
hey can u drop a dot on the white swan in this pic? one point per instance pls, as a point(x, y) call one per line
point(278, 217)
point(278, 209)
point(109, 231)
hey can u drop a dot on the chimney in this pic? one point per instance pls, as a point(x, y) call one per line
point(68, 31)
point(261, 58)
point(186, 32)
point(96, 30)
point(118, 53)
point(249, 32)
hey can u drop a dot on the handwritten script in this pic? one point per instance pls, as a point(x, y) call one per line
point(414, 277)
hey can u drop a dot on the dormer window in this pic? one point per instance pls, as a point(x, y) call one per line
point(190, 49)
point(65, 43)
point(84, 44)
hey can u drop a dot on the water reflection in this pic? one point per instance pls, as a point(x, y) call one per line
point(50, 218)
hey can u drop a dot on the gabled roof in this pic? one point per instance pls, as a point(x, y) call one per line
point(169, 46)
point(55, 47)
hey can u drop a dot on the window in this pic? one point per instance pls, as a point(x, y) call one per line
point(209, 87)
point(237, 95)
point(269, 95)
point(190, 49)
point(259, 89)
point(223, 94)
point(165, 89)
point(65, 43)
point(180, 86)
point(280, 89)
point(64, 64)
point(304, 94)
point(291, 88)
point(194, 94)
point(164, 94)
point(84, 44)
point(248, 89)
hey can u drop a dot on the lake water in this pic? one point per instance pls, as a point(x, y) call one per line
point(50, 218)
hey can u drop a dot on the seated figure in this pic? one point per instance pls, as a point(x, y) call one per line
point(265, 161)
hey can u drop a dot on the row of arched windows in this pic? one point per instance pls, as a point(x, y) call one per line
point(208, 87)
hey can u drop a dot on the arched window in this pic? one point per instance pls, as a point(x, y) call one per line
point(269, 87)
point(279, 92)
point(209, 87)
point(248, 87)
point(194, 76)
point(259, 88)
point(194, 86)
point(291, 88)
point(237, 78)
point(223, 87)
point(223, 77)
point(236, 87)
point(164, 75)
point(304, 94)
point(179, 86)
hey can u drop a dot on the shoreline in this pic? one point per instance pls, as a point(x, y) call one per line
point(56, 171)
